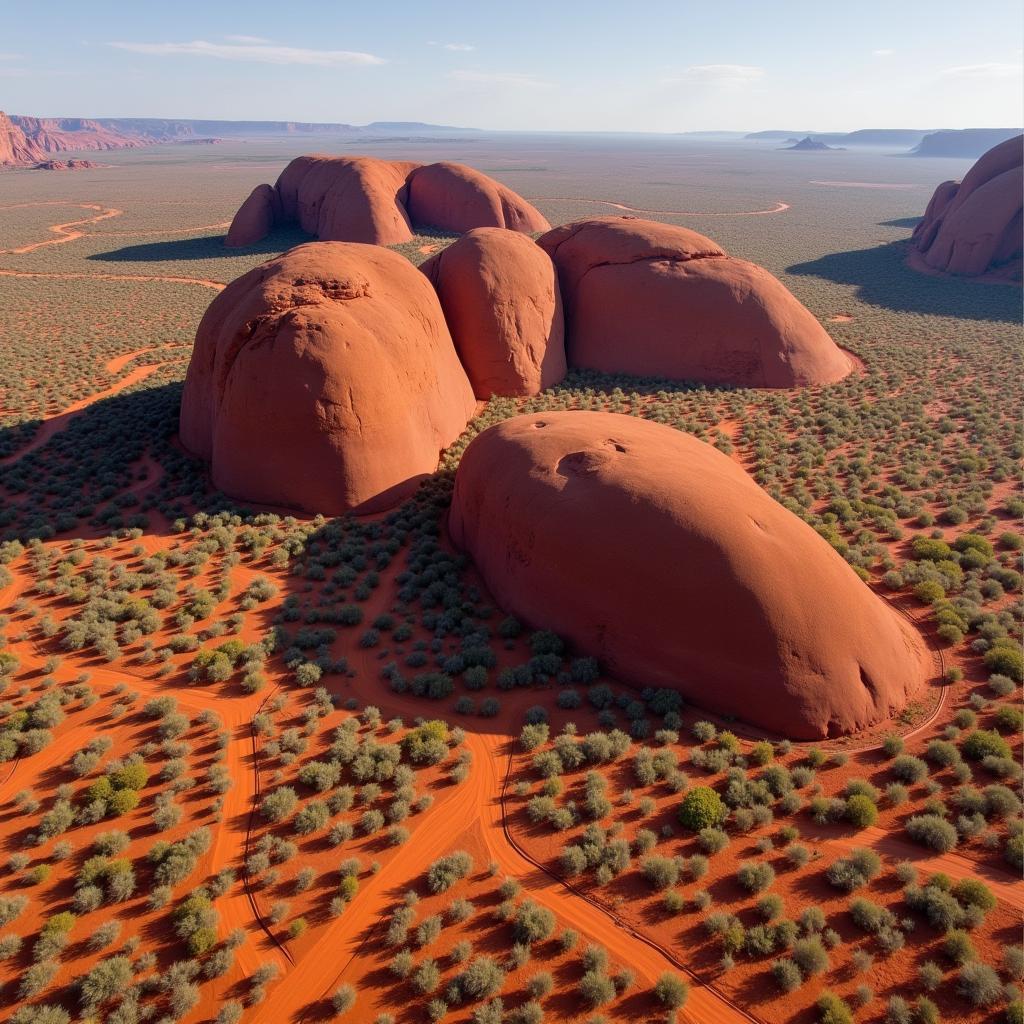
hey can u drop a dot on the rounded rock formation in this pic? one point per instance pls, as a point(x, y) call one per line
point(346, 198)
point(975, 227)
point(499, 292)
point(661, 557)
point(363, 199)
point(454, 197)
point(255, 218)
point(654, 300)
point(324, 380)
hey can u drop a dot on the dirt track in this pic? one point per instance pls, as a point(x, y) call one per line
point(779, 207)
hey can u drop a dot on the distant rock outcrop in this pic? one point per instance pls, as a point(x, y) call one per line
point(25, 141)
point(966, 143)
point(660, 556)
point(363, 199)
point(66, 165)
point(809, 145)
point(325, 380)
point(974, 227)
point(655, 300)
point(499, 292)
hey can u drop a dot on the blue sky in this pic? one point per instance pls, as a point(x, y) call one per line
point(648, 65)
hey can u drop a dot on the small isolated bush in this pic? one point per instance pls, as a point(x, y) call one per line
point(787, 975)
point(701, 808)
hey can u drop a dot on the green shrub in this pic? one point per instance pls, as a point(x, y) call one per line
point(984, 743)
point(833, 1010)
point(701, 808)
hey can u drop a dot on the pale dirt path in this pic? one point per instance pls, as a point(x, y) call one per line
point(55, 424)
point(217, 286)
point(65, 232)
point(118, 363)
point(779, 207)
point(237, 907)
point(476, 803)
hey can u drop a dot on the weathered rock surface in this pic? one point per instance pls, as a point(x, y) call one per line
point(974, 227)
point(455, 197)
point(324, 380)
point(654, 300)
point(660, 556)
point(363, 199)
point(255, 217)
point(499, 292)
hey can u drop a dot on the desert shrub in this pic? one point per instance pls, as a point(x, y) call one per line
point(958, 947)
point(532, 923)
point(833, 1010)
point(932, 831)
point(755, 877)
point(427, 743)
point(861, 811)
point(854, 871)
point(343, 1000)
point(447, 870)
point(712, 840)
point(596, 988)
point(661, 872)
point(671, 991)
point(787, 975)
point(984, 743)
point(701, 808)
point(810, 956)
point(909, 769)
point(278, 804)
point(979, 984)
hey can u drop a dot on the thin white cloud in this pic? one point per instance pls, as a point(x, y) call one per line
point(248, 39)
point(11, 56)
point(882, 53)
point(513, 78)
point(723, 74)
point(460, 47)
point(991, 70)
point(13, 73)
point(259, 53)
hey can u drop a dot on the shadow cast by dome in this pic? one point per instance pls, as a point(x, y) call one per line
point(203, 247)
point(883, 279)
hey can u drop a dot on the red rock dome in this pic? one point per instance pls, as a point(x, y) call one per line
point(654, 300)
point(324, 380)
point(255, 217)
point(455, 197)
point(363, 199)
point(660, 556)
point(499, 292)
point(975, 226)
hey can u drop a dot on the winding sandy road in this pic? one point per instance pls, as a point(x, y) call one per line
point(55, 424)
point(66, 232)
point(217, 286)
point(779, 207)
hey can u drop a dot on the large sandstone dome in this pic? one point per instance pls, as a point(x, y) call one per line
point(657, 554)
point(975, 226)
point(654, 300)
point(324, 380)
point(500, 296)
point(363, 199)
